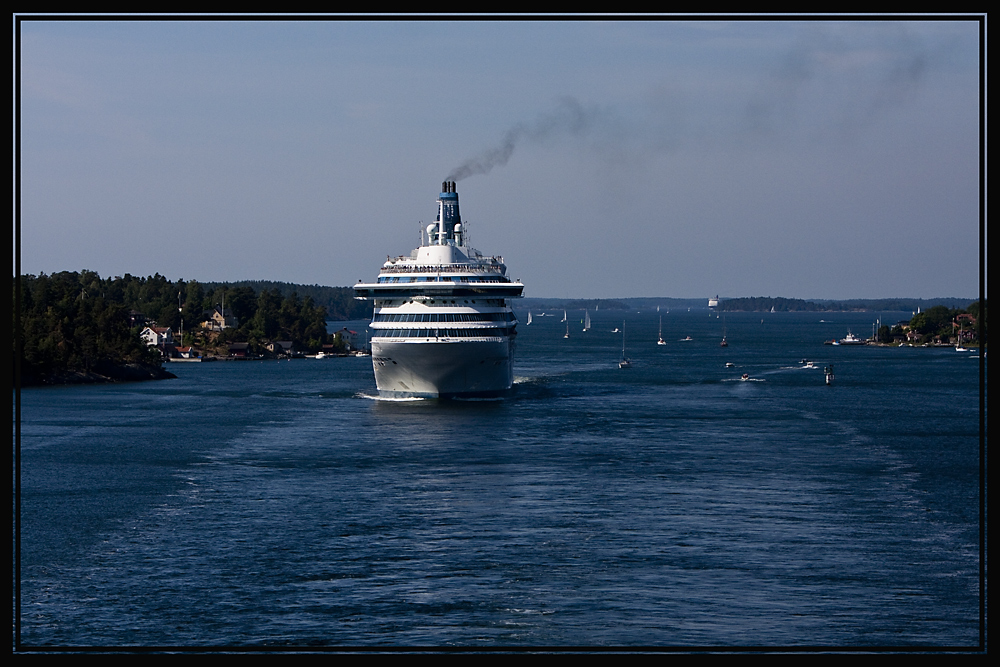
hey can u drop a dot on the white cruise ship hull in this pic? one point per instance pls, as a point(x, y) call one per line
point(443, 369)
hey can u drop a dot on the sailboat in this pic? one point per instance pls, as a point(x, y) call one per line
point(529, 318)
point(564, 317)
point(625, 362)
point(958, 343)
point(567, 331)
point(586, 320)
point(660, 341)
point(723, 343)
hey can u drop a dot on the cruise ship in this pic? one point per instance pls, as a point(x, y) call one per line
point(442, 325)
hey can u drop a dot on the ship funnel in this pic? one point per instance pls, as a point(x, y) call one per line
point(448, 215)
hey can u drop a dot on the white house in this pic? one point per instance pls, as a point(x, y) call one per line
point(157, 336)
point(349, 337)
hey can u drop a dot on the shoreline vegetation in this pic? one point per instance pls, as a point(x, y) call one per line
point(78, 328)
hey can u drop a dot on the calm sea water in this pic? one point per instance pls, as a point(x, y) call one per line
point(670, 504)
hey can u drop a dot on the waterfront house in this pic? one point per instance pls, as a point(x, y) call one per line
point(217, 320)
point(350, 338)
point(282, 348)
point(157, 336)
point(239, 350)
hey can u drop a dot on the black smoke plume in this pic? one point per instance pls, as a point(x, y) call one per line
point(569, 117)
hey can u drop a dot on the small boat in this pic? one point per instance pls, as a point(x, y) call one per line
point(564, 317)
point(586, 320)
point(723, 343)
point(686, 338)
point(745, 377)
point(567, 331)
point(659, 340)
point(529, 319)
point(730, 364)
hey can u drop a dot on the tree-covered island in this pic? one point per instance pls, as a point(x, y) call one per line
point(938, 325)
point(78, 327)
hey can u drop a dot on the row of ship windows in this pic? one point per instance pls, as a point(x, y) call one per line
point(440, 279)
point(445, 317)
point(441, 333)
point(437, 303)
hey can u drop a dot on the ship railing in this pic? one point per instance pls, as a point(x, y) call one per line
point(441, 268)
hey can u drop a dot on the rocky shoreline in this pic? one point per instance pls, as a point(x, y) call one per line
point(106, 375)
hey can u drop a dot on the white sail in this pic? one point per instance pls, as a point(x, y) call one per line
point(586, 320)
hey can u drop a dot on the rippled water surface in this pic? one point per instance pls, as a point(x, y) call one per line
point(670, 504)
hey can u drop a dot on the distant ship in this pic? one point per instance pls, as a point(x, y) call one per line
point(714, 303)
point(850, 339)
point(442, 322)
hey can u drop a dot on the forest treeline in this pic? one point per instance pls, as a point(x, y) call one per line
point(781, 304)
point(73, 323)
point(339, 302)
point(78, 322)
point(940, 324)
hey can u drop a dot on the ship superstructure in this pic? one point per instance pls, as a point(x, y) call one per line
point(442, 325)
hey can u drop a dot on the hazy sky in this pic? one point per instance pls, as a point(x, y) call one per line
point(814, 159)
